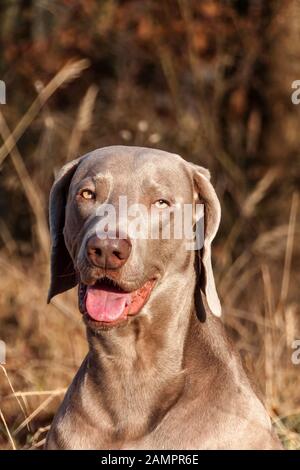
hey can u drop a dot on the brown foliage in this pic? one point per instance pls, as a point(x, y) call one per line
point(210, 80)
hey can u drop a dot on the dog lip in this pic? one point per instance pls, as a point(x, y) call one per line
point(107, 281)
point(113, 283)
point(98, 325)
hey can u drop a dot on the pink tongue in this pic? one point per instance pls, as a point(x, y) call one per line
point(105, 304)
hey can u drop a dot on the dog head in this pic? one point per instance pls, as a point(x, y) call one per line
point(118, 221)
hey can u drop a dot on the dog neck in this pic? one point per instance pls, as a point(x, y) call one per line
point(139, 367)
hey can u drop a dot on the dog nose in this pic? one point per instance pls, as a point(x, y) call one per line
point(108, 253)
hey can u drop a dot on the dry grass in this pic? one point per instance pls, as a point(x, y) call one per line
point(255, 255)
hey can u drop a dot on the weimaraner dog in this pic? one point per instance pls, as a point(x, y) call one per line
point(160, 372)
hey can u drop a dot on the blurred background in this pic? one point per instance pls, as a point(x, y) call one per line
point(210, 80)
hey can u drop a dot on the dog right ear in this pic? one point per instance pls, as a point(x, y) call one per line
point(212, 215)
point(63, 276)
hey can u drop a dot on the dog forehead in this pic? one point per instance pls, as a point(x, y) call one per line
point(124, 162)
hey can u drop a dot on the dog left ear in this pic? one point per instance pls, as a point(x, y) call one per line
point(63, 275)
point(212, 216)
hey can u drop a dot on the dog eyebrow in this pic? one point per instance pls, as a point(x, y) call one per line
point(103, 177)
point(86, 182)
point(159, 185)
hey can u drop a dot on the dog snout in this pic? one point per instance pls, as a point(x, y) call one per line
point(108, 253)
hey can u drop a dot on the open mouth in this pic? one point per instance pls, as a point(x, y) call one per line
point(107, 303)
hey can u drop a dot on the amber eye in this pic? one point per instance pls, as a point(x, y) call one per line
point(87, 194)
point(162, 204)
